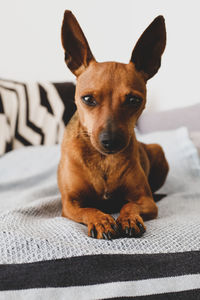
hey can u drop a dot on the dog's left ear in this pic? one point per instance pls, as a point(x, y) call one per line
point(77, 51)
point(147, 53)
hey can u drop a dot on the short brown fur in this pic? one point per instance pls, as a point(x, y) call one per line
point(96, 178)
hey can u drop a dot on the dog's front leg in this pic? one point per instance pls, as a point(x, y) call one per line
point(130, 220)
point(100, 225)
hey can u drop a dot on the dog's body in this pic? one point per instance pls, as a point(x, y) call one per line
point(103, 169)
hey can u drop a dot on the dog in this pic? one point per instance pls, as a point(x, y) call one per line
point(103, 168)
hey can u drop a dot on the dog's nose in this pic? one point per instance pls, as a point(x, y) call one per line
point(111, 142)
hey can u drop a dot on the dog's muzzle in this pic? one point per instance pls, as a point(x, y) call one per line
point(111, 142)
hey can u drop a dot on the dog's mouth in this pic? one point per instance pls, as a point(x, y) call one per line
point(110, 152)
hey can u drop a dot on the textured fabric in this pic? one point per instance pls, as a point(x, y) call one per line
point(33, 230)
point(170, 119)
point(33, 113)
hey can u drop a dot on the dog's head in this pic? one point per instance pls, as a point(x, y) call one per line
point(110, 96)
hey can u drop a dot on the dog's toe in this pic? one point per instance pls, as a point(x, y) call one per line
point(141, 227)
point(93, 232)
point(103, 228)
point(131, 226)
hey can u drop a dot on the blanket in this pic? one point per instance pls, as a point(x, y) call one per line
point(45, 255)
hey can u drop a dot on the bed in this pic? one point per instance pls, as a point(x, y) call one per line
point(46, 256)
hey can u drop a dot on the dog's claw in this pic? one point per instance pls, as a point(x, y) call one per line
point(141, 227)
point(109, 234)
point(120, 227)
point(114, 227)
point(132, 232)
point(93, 233)
point(126, 230)
point(105, 237)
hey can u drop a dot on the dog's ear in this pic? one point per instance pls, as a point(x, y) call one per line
point(146, 55)
point(77, 51)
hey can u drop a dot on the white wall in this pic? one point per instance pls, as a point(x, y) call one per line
point(30, 46)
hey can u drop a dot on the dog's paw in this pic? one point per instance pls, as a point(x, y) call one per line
point(131, 225)
point(103, 227)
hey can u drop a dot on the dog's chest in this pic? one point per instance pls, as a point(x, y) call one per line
point(109, 201)
point(107, 178)
point(107, 175)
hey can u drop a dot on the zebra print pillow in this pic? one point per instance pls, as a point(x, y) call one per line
point(34, 113)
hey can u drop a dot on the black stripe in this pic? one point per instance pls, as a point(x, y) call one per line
point(44, 101)
point(9, 146)
point(28, 122)
point(184, 295)
point(87, 270)
point(66, 90)
point(18, 136)
point(1, 106)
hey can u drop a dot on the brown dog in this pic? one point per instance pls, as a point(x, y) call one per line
point(103, 169)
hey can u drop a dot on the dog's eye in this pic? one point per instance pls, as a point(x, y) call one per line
point(133, 100)
point(89, 100)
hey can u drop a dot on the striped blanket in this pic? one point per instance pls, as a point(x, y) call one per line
point(45, 256)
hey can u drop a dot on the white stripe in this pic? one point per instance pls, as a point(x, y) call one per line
point(4, 134)
point(37, 112)
point(23, 129)
point(50, 130)
point(54, 99)
point(53, 126)
point(16, 145)
point(110, 290)
point(10, 105)
point(40, 116)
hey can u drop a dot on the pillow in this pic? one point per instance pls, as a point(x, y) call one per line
point(34, 113)
point(170, 119)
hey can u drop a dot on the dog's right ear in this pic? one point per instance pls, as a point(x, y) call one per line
point(77, 51)
point(147, 53)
